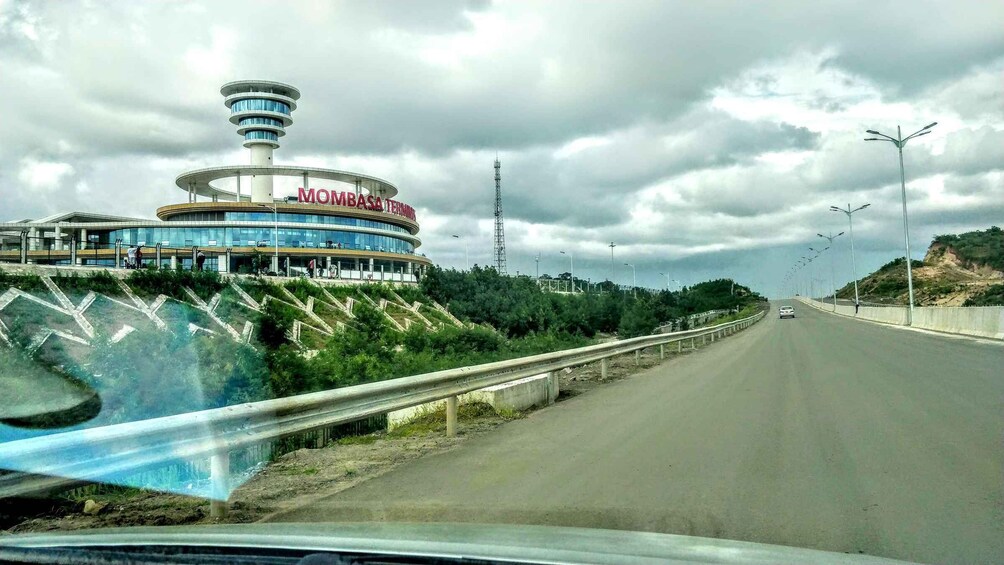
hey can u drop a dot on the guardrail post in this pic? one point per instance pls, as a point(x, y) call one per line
point(637, 356)
point(552, 387)
point(679, 346)
point(604, 367)
point(662, 351)
point(451, 416)
point(219, 469)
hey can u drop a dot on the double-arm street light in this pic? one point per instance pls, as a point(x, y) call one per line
point(571, 268)
point(611, 246)
point(850, 226)
point(899, 141)
point(467, 256)
point(833, 279)
point(634, 279)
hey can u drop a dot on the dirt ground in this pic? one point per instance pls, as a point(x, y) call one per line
point(301, 475)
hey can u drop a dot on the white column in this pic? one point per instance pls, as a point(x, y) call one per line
point(261, 185)
point(83, 238)
point(238, 187)
point(306, 181)
point(57, 239)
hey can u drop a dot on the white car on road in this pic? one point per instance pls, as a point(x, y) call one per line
point(786, 312)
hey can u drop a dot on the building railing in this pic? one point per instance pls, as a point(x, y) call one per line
point(145, 444)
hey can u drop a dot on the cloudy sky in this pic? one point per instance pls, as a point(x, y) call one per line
point(704, 138)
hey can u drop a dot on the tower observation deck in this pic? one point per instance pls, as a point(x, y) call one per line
point(261, 110)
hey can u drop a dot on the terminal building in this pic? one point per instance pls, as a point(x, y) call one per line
point(352, 226)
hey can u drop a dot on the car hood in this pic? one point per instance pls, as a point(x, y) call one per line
point(529, 544)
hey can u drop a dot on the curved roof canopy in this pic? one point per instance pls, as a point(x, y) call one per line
point(203, 179)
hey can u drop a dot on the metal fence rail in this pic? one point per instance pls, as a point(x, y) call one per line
point(145, 444)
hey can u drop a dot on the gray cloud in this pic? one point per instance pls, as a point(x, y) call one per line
point(601, 113)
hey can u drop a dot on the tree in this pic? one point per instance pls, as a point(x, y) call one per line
point(276, 323)
point(638, 320)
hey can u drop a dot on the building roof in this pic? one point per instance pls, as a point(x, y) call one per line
point(82, 217)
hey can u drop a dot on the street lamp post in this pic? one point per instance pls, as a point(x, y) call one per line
point(667, 280)
point(899, 141)
point(833, 280)
point(537, 261)
point(634, 279)
point(467, 256)
point(571, 268)
point(275, 210)
point(850, 226)
point(611, 246)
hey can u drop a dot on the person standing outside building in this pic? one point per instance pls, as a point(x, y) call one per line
point(131, 257)
point(200, 260)
point(310, 268)
point(139, 258)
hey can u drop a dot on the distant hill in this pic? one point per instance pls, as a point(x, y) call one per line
point(963, 269)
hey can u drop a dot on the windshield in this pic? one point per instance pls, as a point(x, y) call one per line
point(713, 269)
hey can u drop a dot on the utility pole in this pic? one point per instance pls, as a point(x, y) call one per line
point(537, 261)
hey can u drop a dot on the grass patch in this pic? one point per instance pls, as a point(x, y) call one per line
point(357, 440)
point(153, 282)
point(104, 493)
point(27, 283)
point(434, 421)
point(101, 282)
point(303, 290)
point(299, 471)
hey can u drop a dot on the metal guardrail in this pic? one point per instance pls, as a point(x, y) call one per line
point(145, 444)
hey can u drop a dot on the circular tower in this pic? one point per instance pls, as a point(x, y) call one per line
point(261, 110)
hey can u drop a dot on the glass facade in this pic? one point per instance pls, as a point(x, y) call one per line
point(256, 237)
point(259, 122)
point(260, 105)
point(267, 135)
point(284, 217)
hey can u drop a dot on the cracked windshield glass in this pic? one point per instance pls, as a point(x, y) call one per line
point(474, 281)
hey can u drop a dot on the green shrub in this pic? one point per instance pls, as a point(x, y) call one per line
point(171, 283)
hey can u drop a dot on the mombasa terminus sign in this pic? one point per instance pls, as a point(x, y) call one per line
point(351, 200)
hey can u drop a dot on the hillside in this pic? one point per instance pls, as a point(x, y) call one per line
point(156, 342)
point(964, 269)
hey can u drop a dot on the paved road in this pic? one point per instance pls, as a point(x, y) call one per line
point(819, 432)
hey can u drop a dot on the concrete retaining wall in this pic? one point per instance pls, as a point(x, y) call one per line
point(982, 321)
point(537, 390)
point(985, 321)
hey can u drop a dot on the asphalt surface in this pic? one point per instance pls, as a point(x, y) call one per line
point(820, 432)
